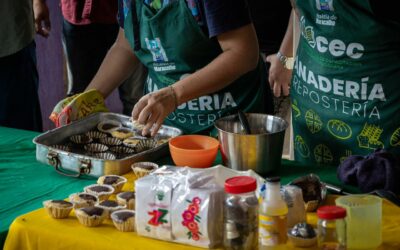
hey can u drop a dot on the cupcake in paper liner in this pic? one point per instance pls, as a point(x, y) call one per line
point(144, 145)
point(116, 181)
point(122, 133)
point(80, 200)
point(122, 151)
point(96, 135)
point(91, 216)
point(62, 147)
point(95, 148)
point(80, 139)
point(127, 199)
point(110, 206)
point(111, 141)
point(136, 125)
point(124, 220)
point(100, 190)
point(132, 142)
point(58, 209)
point(105, 156)
point(162, 141)
point(141, 169)
point(108, 126)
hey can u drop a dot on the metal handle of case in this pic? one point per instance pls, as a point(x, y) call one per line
point(53, 160)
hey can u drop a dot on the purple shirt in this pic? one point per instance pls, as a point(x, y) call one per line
point(214, 16)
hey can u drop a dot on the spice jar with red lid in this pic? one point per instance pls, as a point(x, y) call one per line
point(331, 228)
point(240, 213)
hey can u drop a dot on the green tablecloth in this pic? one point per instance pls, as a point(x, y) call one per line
point(25, 183)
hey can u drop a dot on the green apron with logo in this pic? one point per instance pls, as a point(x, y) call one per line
point(172, 46)
point(346, 82)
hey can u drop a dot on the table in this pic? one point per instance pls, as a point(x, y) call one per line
point(25, 184)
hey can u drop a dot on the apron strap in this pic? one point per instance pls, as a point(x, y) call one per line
point(135, 25)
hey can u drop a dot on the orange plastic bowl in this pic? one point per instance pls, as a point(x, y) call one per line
point(197, 151)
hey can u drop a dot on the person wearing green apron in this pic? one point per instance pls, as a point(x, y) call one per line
point(197, 73)
point(345, 87)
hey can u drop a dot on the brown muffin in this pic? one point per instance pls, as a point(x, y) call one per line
point(80, 200)
point(58, 209)
point(101, 191)
point(116, 181)
point(110, 206)
point(124, 220)
point(127, 199)
point(91, 216)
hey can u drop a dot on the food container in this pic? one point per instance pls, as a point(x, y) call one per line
point(260, 151)
point(80, 162)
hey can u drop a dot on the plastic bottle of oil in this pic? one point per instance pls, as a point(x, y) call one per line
point(273, 217)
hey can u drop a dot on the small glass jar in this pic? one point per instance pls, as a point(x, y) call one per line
point(240, 214)
point(331, 228)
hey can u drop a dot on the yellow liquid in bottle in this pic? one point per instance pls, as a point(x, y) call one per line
point(273, 219)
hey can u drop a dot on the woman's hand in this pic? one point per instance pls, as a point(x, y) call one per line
point(42, 18)
point(279, 77)
point(153, 108)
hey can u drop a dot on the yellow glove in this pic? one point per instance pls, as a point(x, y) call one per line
point(78, 106)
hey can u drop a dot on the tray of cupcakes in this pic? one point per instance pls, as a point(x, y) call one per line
point(101, 144)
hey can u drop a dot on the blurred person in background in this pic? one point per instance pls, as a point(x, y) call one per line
point(270, 18)
point(89, 30)
point(19, 83)
point(345, 87)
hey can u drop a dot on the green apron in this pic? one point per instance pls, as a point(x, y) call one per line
point(172, 45)
point(346, 82)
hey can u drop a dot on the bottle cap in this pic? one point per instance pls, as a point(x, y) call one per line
point(273, 179)
point(331, 212)
point(240, 184)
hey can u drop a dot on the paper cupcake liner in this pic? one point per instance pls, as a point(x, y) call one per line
point(80, 139)
point(56, 212)
point(123, 226)
point(144, 145)
point(132, 141)
point(62, 147)
point(89, 221)
point(110, 141)
point(162, 141)
point(96, 134)
point(130, 204)
point(81, 203)
point(141, 169)
point(117, 186)
point(136, 125)
point(110, 210)
point(121, 150)
point(101, 195)
point(122, 133)
point(95, 148)
point(105, 156)
point(108, 126)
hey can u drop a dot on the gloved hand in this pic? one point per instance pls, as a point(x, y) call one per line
point(77, 106)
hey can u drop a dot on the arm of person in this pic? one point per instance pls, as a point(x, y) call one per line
point(42, 17)
point(279, 76)
point(239, 55)
point(119, 63)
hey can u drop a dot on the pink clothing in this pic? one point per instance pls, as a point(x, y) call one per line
point(81, 12)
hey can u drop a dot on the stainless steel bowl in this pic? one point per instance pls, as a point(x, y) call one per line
point(260, 151)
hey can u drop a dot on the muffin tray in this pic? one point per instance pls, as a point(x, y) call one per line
point(56, 148)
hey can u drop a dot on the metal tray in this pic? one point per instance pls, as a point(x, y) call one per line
point(75, 165)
